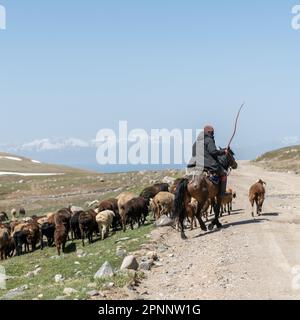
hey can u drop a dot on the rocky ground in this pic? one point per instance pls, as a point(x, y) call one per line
point(247, 259)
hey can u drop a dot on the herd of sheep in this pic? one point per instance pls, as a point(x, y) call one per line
point(17, 235)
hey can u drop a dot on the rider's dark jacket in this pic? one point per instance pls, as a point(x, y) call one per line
point(211, 154)
point(205, 155)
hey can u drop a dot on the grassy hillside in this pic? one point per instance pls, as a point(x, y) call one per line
point(39, 195)
point(77, 269)
point(285, 159)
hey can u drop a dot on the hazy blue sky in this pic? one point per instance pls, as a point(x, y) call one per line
point(70, 68)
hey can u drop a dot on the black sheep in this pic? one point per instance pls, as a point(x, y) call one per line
point(136, 211)
point(47, 230)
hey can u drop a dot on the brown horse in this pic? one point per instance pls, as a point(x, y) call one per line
point(201, 188)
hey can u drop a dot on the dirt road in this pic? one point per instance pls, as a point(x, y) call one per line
point(247, 259)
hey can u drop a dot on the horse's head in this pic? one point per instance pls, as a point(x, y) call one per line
point(228, 161)
point(231, 160)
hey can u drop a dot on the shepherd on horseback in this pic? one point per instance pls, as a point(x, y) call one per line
point(206, 179)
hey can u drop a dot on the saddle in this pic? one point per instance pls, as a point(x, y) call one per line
point(213, 177)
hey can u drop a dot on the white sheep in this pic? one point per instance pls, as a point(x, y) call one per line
point(104, 220)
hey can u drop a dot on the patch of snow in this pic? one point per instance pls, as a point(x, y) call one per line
point(35, 161)
point(4, 173)
point(11, 158)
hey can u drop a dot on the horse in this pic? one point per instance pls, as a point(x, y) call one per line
point(202, 189)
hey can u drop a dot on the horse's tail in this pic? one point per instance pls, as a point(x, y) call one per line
point(179, 210)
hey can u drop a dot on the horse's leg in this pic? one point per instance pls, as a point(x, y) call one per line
point(252, 206)
point(182, 216)
point(217, 222)
point(181, 223)
point(217, 207)
point(199, 216)
point(205, 209)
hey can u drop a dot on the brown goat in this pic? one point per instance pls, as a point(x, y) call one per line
point(257, 195)
point(123, 199)
point(4, 242)
point(226, 204)
point(32, 231)
point(88, 225)
point(63, 216)
point(60, 237)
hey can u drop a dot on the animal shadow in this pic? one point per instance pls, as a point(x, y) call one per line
point(240, 223)
point(71, 248)
point(233, 224)
point(271, 214)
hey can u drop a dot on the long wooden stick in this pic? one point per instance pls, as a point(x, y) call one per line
point(235, 126)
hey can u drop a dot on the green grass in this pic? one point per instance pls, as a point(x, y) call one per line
point(96, 254)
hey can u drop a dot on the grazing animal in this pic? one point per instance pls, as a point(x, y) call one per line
point(75, 228)
point(162, 204)
point(18, 226)
point(10, 249)
point(20, 239)
point(3, 217)
point(42, 220)
point(192, 212)
point(74, 209)
point(136, 211)
point(60, 237)
point(47, 230)
point(22, 212)
point(92, 203)
point(151, 192)
point(226, 204)
point(63, 216)
point(112, 205)
point(4, 242)
point(123, 198)
point(257, 195)
point(51, 217)
point(33, 235)
point(88, 225)
point(13, 215)
point(207, 209)
point(104, 220)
